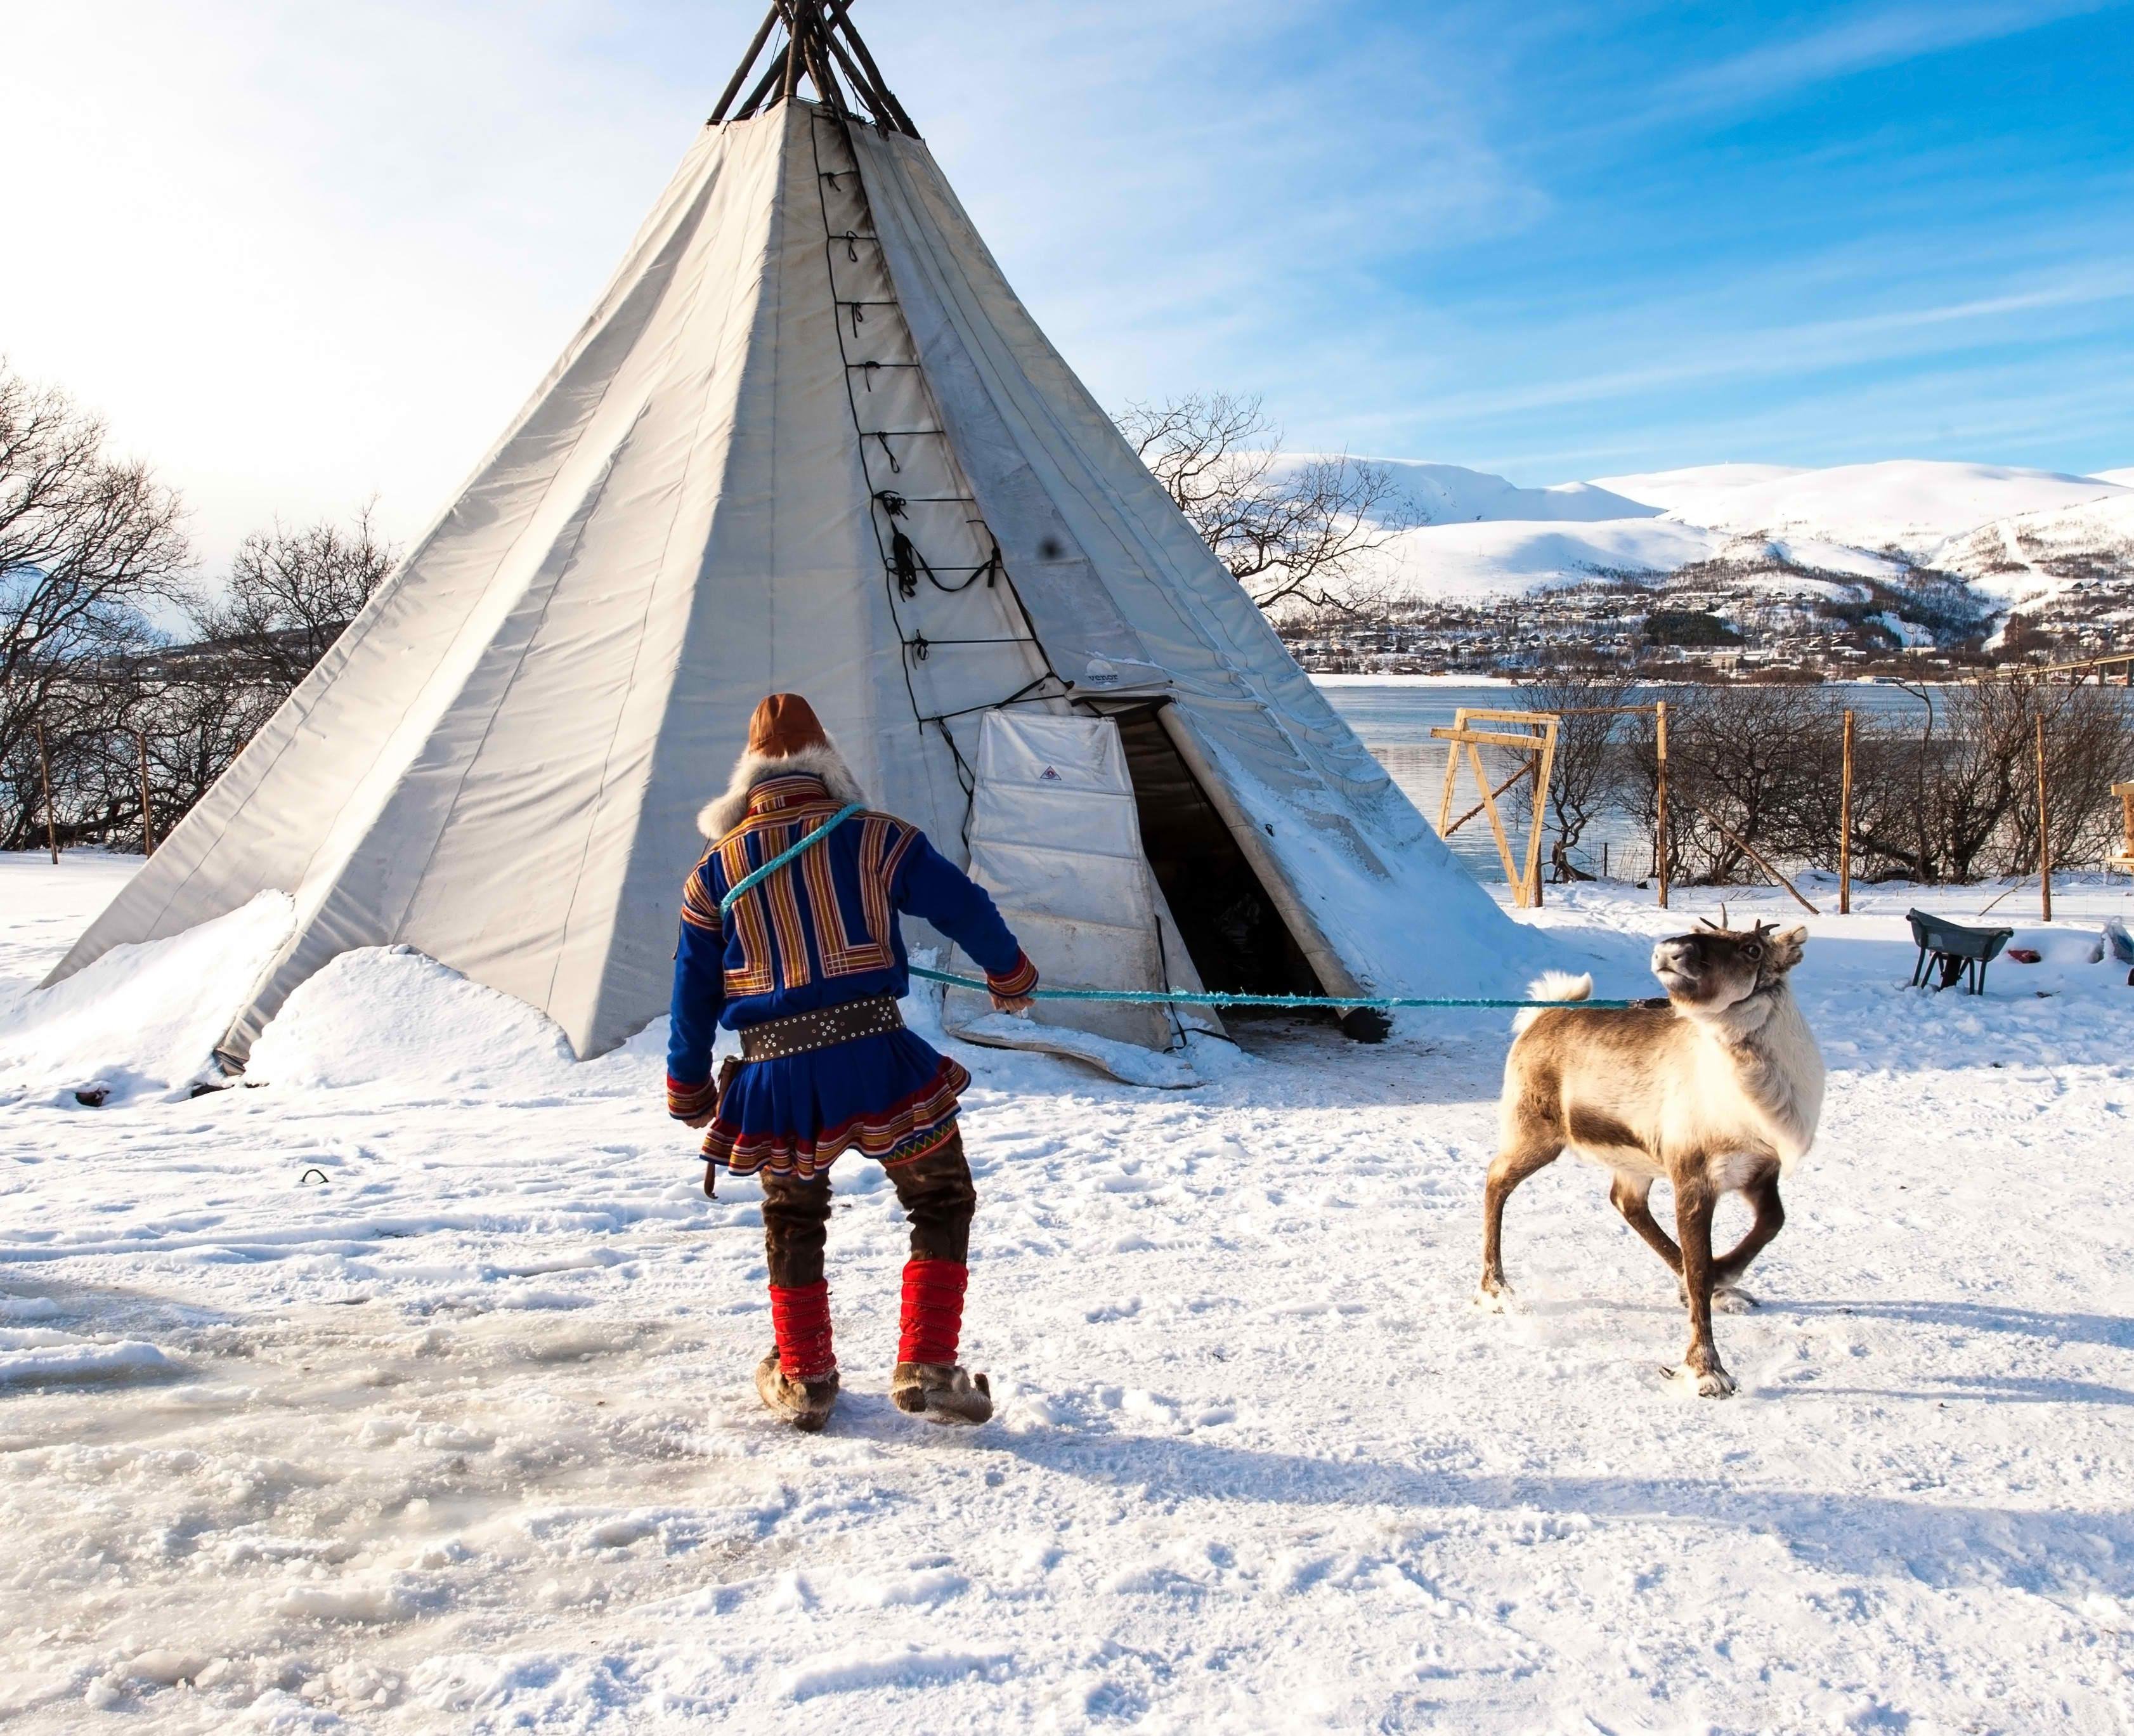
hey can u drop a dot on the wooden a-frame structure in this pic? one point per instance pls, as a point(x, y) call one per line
point(1533, 735)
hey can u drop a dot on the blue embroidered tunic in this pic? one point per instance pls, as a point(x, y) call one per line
point(821, 931)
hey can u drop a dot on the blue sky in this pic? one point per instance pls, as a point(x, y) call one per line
point(299, 254)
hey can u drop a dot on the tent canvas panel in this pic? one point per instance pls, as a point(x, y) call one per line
point(501, 760)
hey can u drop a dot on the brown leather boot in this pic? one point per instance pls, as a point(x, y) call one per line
point(804, 1404)
point(941, 1392)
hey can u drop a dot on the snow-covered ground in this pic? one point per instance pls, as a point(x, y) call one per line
point(409, 1390)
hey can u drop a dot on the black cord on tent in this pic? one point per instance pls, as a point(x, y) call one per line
point(901, 560)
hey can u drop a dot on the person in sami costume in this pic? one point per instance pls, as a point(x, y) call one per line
point(808, 967)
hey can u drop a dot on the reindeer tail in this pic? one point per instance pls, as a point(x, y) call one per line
point(1553, 985)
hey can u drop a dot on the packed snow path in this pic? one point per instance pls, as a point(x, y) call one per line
point(411, 1390)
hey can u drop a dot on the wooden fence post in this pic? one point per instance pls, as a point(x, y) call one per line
point(1845, 826)
point(148, 807)
point(44, 769)
point(2045, 831)
point(1660, 848)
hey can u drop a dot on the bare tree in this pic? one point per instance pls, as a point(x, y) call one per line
point(1290, 532)
point(291, 592)
point(1749, 767)
point(89, 543)
point(1590, 769)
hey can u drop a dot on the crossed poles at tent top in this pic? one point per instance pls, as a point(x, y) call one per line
point(821, 42)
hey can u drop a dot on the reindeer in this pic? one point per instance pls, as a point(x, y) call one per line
point(1716, 1091)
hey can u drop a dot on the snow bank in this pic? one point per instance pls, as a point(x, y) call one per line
point(394, 1013)
point(142, 1019)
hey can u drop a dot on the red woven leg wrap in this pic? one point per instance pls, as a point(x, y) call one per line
point(801, 1319)
point(933, 1318)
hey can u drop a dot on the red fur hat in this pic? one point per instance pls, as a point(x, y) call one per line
point(785, 724)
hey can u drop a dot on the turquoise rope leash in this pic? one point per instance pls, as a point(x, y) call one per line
point(785, 856)
point(1150, 996)
point(1160, 997)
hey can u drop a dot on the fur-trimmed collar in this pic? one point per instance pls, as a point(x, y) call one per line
point(721, 817)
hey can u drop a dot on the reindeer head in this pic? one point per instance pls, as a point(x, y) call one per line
point(1713, 968)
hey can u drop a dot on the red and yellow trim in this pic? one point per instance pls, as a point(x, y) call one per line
point(907, 1129)
point(1010, 984)
point(684, 1102)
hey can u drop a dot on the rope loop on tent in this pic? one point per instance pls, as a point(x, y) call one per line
point(852, 238)
point(892, 502)
point(919, 646)
point(906, 561)
point(889, 450)
point(1161, 997)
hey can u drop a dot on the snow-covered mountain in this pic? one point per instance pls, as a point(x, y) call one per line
point(1763, 523)
point(1909, 505)
point(1449, 494)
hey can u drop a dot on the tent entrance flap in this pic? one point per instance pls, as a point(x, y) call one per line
point(1233, 932)
point(1055, 837)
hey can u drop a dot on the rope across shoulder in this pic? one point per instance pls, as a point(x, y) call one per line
point(787, 855)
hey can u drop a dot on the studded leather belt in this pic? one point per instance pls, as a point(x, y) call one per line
point(800, 1033)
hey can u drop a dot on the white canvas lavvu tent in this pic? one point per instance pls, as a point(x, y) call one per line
point(808, 440)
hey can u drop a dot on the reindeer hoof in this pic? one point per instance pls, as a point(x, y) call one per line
point(1497, 1301)
point(1716, 1383)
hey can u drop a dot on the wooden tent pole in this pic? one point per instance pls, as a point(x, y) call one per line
point(772, 74)
point(866, 92)
point(840, 21)
point(754, 48)
point(1660, 849)
point(792, 54)
point(2044, 830)
point(1845, 826)
point(147, 808)
point(44, 769)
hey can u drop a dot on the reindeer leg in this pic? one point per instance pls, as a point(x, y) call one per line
point(1770, 1211)
point(1535, 1150)
point(1632, 1197)
point(1694, 1202)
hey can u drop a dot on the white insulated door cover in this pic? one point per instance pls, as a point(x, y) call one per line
point(1056, 841)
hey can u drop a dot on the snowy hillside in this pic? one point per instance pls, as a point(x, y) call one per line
point(409, 1391)
point(1913, 505)
point(2039, 554)
point(1448, 494)
point(1750, 525)
point(1494, 557)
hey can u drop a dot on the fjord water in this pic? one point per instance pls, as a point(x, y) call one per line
point(1394, 717)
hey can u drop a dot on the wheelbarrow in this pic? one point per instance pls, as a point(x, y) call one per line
point(1953, 952)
